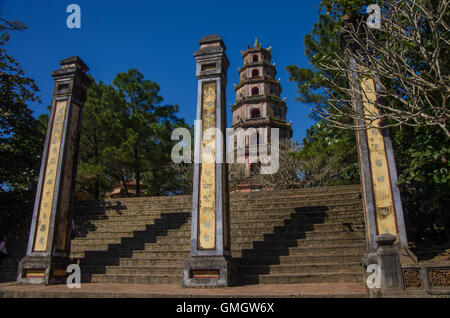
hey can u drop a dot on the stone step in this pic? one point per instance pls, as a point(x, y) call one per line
point(302, 259)
point(291, 245)
point(236, 218)
point(160, 254)
point(177, 199)
point(342, 277)
point(298, 251)
point(7, 277)
point(297, 202)
point(353, 267)
point(267, 239)
point(311, 242)
point(246, 206)
point(327, 189)
point(16, 253)
point(288, 246)
point(235, 196)
point(282, 223)
point(303, 278)
point(175, 238)
point(124, 204)
point(8, 270)
point(167, 241)
point(134, 270)
point(175, 269)
point(282, 227)
point(11, 260)
point(132, 279)
point(152, 258)
point(130, 262)
point(178, 260)
point(236, 221)
point(126, 208)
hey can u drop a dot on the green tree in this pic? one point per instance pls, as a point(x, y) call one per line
point(21, 138)
point(421, 152)
point(20, 133)
point(140, 144)
point(328, 154)
point(422, 158)
point(97, 133)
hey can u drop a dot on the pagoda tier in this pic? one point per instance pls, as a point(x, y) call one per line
point(258, 102)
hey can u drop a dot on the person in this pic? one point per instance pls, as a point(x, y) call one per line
point(3, 251)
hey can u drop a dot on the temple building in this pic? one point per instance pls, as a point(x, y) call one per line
point(258, 102)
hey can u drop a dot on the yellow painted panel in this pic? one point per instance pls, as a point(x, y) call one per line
point(209, 273)
point(30, 273)
point(48, 187)
point(207, 199)
point(385, 214)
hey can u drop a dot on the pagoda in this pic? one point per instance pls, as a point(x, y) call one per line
point(258, 102)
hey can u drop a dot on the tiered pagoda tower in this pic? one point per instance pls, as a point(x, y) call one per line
point(258, 102)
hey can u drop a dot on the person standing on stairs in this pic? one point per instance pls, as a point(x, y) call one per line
point(3, 251)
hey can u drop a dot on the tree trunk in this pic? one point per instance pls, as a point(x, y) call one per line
point(138, 175)
point(138, 184)
point(125, 186)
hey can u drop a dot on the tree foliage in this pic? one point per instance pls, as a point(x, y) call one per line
point(20, 133)
point(328, 154)
point(408, 55)
point(421, 152)
point(97, 133)
point(21, 138)
point(126, 136)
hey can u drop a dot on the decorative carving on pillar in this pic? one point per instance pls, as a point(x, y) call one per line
point(207, 198)
point(49, 242)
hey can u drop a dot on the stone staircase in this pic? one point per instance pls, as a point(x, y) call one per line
point(16, 244)
point(278, 237)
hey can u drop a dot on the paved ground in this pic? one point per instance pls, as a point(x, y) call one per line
point(175, 291)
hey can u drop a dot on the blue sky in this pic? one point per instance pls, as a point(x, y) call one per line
point(158, 38)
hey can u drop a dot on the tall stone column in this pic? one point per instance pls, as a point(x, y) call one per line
point(48, 249)
point(381, 196)
point(209, 262)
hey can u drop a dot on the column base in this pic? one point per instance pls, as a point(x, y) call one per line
point(207, 271)
point(42, 270)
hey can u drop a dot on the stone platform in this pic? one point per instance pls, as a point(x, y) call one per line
point(99, 290)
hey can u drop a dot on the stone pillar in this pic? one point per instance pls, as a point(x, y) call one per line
point(391, 277)
point(48, 249)
point(381, 197)
point(209, 262)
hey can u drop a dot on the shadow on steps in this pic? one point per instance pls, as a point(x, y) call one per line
point(268, 252)
point(125, 249)
point(83, 226)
